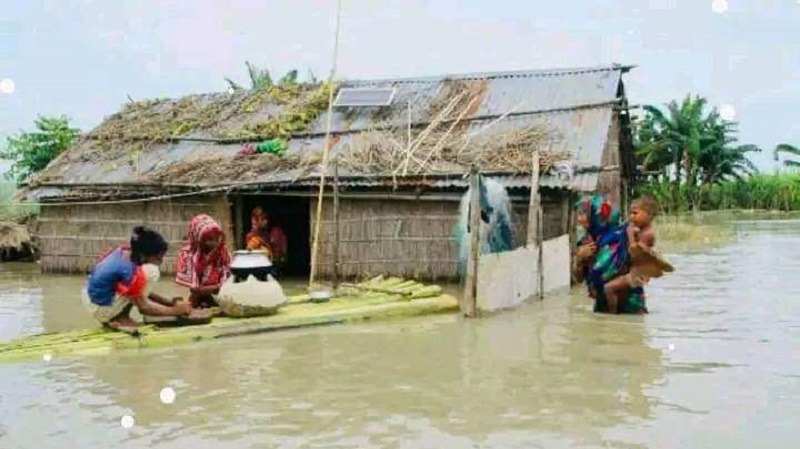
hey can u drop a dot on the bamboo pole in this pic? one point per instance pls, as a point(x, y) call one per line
point(540, 246)
point(469, 306)
point(297, 313)
point(325, 150)
point(534, 201)
point(336, 230)
point(534, 222)
point(573, 234)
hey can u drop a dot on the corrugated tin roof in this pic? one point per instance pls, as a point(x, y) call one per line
point(577, 104)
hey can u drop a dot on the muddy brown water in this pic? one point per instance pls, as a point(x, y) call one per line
point(715, 365)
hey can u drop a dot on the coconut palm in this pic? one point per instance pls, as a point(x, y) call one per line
point(788, 149)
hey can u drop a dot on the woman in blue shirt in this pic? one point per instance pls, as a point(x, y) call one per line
point(123, 278)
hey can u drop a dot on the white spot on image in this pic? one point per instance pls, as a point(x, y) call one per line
point(7, 86)
point(127, 422)
point(167, 395)
point(719, 6)
point(671, 347)
point(727, 112)
point(47, 357)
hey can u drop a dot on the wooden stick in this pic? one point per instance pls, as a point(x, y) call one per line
point(440, 143)
point(540, 246)
point(424, 134)
point(469, 136)
point(325, 150)
point(534, 221)
point(335, 223)
point(534, 201)
point(469, 305)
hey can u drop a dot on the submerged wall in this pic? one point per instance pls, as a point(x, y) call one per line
point(73, 236)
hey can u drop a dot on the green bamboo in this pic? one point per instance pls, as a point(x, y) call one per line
point(416, 299)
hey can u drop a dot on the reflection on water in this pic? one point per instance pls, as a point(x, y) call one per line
point(714, 365)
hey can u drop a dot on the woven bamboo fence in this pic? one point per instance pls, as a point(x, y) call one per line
point(72, 237)
point(609, 182)
point(407, 238)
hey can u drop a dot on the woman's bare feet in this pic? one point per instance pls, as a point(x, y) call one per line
point(124, 324)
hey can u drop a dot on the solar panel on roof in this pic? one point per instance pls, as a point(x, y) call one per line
point(355, 97)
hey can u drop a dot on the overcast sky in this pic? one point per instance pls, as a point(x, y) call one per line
point(82, 57)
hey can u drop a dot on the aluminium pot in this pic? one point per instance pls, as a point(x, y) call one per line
point(251, 263)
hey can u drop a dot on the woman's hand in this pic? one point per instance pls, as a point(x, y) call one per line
point(586, 251)
point(183, 308)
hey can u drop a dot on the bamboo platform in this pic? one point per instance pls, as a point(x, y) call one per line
point(377, 299)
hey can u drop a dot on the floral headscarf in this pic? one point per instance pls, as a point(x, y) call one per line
point(196, 269)
point(602, 216)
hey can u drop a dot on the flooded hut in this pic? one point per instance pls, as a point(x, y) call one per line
point(401, 149)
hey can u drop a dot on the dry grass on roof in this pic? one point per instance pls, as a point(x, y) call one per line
point(388, 153)
point(239, 169)
point(274, 112)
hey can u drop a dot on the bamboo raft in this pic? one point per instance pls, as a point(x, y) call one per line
point(377, 299)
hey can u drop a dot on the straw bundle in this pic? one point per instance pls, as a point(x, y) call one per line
point(245, 168)
point(384, 152)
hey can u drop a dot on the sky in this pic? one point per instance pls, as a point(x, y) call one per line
point(83, 58)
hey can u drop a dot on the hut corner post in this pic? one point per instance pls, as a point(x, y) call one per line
point(336, 223)
point(535, 234)
point(238, 220)
point(469, 301)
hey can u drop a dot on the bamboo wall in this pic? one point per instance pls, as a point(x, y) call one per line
point(609, 183)
point(408, 238)
point(72, 237)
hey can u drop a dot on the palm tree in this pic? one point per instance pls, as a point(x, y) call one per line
point(788, 149)
point(261, 78)
point(697, 145)
point(672, 139)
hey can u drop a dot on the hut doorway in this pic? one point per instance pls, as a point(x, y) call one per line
point(292, 215)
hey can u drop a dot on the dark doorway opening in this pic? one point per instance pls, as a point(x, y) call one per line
point(292, 215)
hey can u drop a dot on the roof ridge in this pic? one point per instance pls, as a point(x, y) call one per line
point(533, 73)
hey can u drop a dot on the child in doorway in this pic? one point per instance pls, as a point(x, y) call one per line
point(124, 277)
point(641, 238)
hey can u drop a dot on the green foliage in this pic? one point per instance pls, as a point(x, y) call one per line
point(788, 149)
point(296, 117)
point(759, 191)
point(11, 210)
point(690, 147)
point(262, 79)
point(31, 151)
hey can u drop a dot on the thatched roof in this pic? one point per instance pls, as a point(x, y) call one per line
point(193, 141)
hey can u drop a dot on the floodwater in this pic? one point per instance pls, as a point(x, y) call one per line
point(715, 365)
